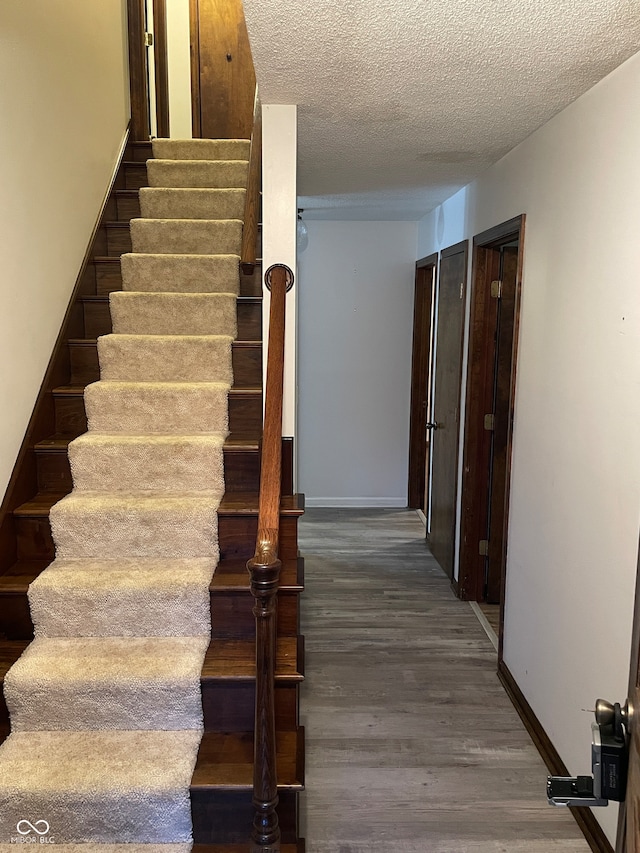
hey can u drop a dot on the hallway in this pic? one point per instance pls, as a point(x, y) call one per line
point(412, 744)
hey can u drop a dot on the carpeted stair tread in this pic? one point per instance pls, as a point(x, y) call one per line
point(201, 149)
point(197, 173)
point(173, 313)
point(99, 786)
point(231, 504)
point(196, 203)
point(166, 358)
point(225, 761)
point(168, 463)
point(180, 273)
point(60, 444)
point(186, 236)
point(157, 407)
point(89, 524)
point(97, 597)
point(98, 683)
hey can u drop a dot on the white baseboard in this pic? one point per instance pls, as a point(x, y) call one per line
point(357, 503)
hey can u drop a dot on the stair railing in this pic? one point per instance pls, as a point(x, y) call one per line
point(264, 569)
point(252, 197)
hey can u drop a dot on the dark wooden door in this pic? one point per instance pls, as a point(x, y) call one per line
point(420, 376)
point(629, 817)
point(446, 404)
point(501, 409)
point(223, 80)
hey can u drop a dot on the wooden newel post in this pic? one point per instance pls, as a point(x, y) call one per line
point(265, 577)
point(264, 570)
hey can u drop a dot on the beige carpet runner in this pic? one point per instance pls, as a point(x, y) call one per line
point(105, 704)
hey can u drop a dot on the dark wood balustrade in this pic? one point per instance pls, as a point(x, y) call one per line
point(264, 569)
point(252, 198)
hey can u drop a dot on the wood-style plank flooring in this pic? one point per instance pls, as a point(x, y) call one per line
point(412, 744)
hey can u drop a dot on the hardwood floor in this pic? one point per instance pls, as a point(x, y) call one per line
point(412, 744)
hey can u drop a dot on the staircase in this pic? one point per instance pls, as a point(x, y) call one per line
point(221, 785)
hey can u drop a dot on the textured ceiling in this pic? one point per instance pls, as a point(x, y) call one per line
point(402, 102)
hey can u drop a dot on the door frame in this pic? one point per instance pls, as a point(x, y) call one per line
point(138, 76)
point(138, 80)
point(457, 248)
point(161, 66)
point(476, 446)
point(634, 665)
point(423, 304)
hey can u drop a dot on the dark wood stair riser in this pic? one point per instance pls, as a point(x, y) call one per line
point(118, 238)
point(15, 618)
point(97, 318)
point(237, 536)
point(230, 707)
point(232, 615)
point(127, 205)
point(135, 175)
point(247, 363)
point(227, 816)
point(227, 707)
point(138, 152)
point(245, 413)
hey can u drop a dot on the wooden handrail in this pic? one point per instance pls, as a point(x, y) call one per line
point(252, 197)
point(264, 569)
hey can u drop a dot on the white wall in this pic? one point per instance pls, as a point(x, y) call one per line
point(279, 210)
point(179, 68)
point(575, 494)
point(64, 108)
point(355, 300)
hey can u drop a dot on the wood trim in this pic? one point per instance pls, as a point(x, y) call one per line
point(634, 680)
point(194, 19)
point(161, 66)
point(462, 246)
point(455, 587)
point(500, 233)
point(429, 261)
point(138, 83)
point(253, 196)
point(287, 478)
point(589, 826)
point(23, 483)
point(512, 400)
point(458, 248)
point(421, 351)
point(476, 446)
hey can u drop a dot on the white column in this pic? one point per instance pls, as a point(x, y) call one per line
point(279, 215)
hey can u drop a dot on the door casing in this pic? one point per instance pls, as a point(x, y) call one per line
point(445, 440)
point(479, 402)
point(420, 379)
